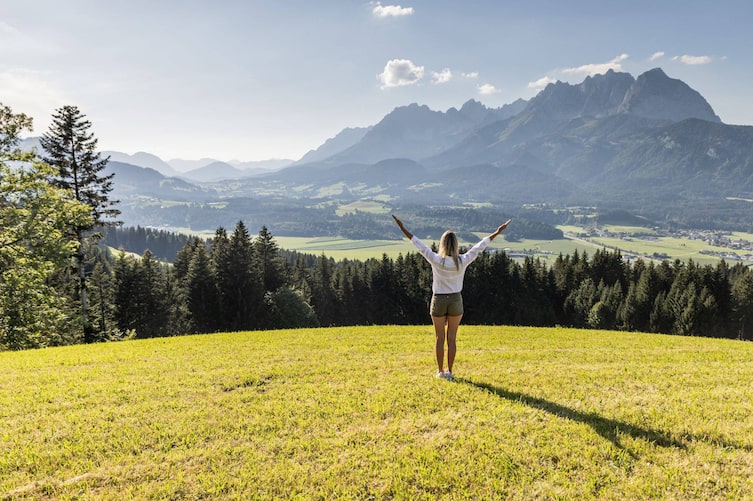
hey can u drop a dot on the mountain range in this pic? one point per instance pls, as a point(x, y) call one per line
point(612, 139)
point(203, 170)
point(650, 144)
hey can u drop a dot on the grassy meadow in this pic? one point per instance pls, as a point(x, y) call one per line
point(546, 250)
point(356, 413)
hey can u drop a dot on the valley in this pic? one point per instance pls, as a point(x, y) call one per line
point(631, 242)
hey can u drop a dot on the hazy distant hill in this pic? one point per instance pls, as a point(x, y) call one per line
point(134, 181)
point(215, 171)
point(245, 168)
point(142, 159)
point(182, 165)
point(260, 166)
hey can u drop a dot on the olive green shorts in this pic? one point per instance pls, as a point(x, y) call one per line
point(446, 304)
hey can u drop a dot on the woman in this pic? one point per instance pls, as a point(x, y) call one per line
point(448, 269)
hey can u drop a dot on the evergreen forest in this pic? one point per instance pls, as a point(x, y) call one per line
point(236, 282)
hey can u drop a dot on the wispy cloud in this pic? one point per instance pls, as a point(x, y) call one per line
point(472, 75)
point(380, 10)
point(400, 72)
point(487, 89)
point(441, 77)
point(597, 68)
point(656, 55)
point(541, 82)
point(7, 28)
point(693, 60)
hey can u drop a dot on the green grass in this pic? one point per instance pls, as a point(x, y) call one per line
point(342, 248)
point(676, 248)
point(355, 413)
point(631, 230)
point(370, 206)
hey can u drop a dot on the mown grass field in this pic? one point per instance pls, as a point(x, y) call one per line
point(355, 413)
point(546, 250)
point(344, 248)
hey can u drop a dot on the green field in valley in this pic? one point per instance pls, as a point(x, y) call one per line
point(355, 413)
point(547, 250)
point(344, 248)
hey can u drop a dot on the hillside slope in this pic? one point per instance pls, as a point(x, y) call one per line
point(357, 413)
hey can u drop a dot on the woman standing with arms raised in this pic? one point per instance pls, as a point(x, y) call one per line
point(448, 269)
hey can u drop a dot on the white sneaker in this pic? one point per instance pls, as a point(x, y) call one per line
point(439, 374)
point(448, 375)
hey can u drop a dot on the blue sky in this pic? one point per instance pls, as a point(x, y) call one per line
point(253, 80)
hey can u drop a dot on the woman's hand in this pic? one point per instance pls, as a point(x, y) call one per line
point(500, 229)
point(402, 227)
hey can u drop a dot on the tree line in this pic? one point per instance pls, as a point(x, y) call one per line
point(235, 282)
point(164, 245)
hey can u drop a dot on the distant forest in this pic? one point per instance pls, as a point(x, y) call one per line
point(314, 218)
point(164, 245)
point(238, 282)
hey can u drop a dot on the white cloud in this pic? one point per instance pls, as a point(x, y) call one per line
point(487, 89)
point(380, 10)
point(399, 72)
point(541, 82)
point(443, 76)
point(693, 60)
point(656, 55)
point(472, 75)
point(7, 28)
point(31, 93)
point(597, 68)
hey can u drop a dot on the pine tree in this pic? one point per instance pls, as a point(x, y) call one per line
point(71, 149)
point(580, 301)
point(385, 293)
point(274, 273)
point(742, 294)
point(124, 290)
point(201, 292)
point(323, 297)
point(238, 279)
point(140, 296)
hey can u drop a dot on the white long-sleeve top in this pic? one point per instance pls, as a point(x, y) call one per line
point(447, 279)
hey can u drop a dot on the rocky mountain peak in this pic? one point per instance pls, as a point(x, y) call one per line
point(655, 95)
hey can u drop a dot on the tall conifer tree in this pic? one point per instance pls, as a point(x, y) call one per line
point(72, 150)
point(270, 263)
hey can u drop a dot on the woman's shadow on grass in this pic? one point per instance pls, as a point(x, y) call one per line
point(610, 429)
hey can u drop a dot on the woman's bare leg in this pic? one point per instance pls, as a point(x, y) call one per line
point(439, 331)
point(453, 322)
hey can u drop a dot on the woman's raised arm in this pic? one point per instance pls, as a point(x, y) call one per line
point(500, 229)
point(403, 228)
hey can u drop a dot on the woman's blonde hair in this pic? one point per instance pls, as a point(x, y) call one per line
point(448, 247)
